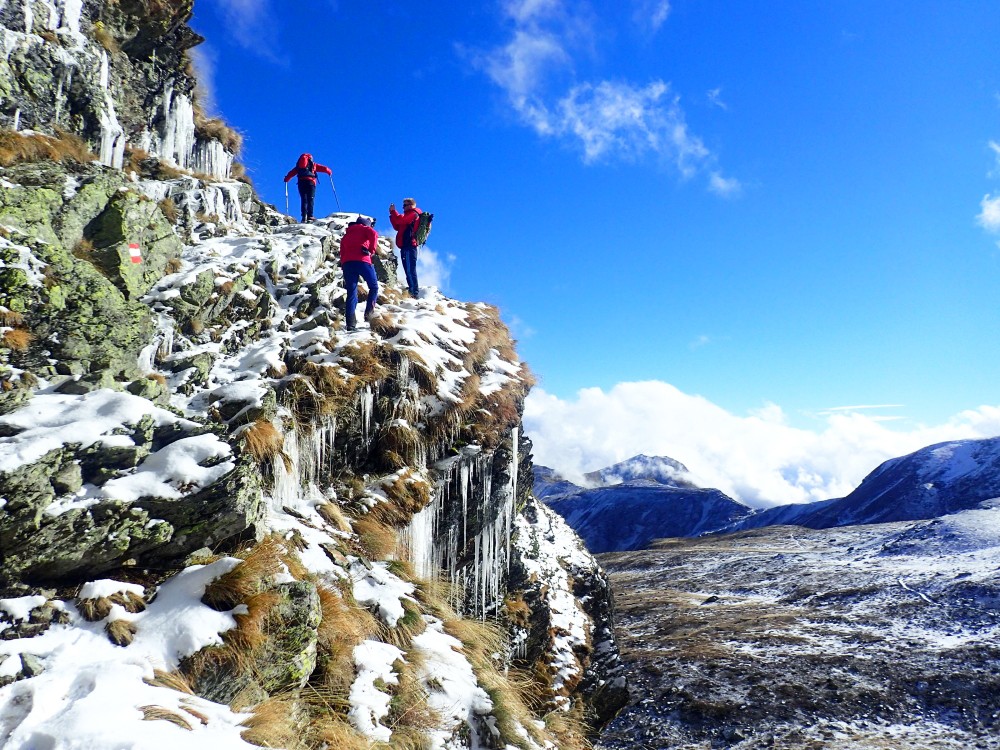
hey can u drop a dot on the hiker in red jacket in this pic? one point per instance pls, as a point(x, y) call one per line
point(305, 169)
point(405, 225)
point(357, 247)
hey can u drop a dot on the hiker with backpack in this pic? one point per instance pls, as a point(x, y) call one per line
point(305, 169)
point(357, 247)
point(406, 225)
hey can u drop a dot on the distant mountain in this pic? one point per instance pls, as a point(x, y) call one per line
point(636, 501)
point(931, 482)
point(548, 484)
point(630, 515)
point(659, 469)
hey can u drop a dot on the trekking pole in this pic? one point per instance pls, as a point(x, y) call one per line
point(286, 198)
point(335, 192)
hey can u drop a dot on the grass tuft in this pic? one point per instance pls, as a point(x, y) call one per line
point(264, 442)
point(120, 632)
point(16, 148)
point(17, 339)
point(159, 713)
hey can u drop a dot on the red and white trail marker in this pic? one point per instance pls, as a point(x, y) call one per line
point(135, 252)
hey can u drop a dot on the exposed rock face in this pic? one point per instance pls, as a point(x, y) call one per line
point(861, 636)
point(563, 615)
point(930, 482)
point(114, 73)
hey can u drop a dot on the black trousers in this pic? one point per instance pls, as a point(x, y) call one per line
point(307, 192)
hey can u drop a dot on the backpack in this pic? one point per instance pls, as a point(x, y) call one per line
point(423, 227)
point(308, 172)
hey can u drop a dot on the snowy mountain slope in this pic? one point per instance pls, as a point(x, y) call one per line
point(636, 501)
point(661, 469)
point(930, 482)
point(225, 520)
point(850, 637)
point(632, 514)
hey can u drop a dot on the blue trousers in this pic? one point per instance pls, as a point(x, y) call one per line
point(354, 270)
point(307, 195)
point(409, 258)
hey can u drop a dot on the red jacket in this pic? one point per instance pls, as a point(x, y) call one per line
point(358, 243)
point(303, 164)
point(405, 225)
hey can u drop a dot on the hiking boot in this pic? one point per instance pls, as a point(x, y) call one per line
point(369, 313)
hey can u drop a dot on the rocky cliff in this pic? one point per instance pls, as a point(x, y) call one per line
point(224, 519)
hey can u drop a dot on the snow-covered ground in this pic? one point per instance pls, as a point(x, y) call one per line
point(860, 636)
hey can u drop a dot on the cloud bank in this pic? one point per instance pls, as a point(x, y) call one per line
point(759, 458)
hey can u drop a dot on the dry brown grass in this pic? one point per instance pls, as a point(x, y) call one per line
point(407, 627)
point(239, 172)
point(367, 361)
point(157, 377)
point(16, 148)
point(274, 724)
point(333, 515)
point(384, 324)
point(570, 728)
point(213, 128)
point(337, 734)
point(261, 563)
point(172, 680)
point(159, 713)
point(105, 38)
point(406, 494)
point(98, 608)
point(265, 443)
point(484, 644)
point(120, 632)
point(376, 540)
point(518, 611)
point(10, 318)
point(169, 210)
point(17, 339)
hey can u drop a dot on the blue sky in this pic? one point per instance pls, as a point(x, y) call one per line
point(793, 207)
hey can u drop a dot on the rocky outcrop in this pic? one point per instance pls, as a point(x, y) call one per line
point(115, 74)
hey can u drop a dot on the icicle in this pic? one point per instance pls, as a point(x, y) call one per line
point(17, 119)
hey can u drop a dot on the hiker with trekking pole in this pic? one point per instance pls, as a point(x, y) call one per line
point(306, 169)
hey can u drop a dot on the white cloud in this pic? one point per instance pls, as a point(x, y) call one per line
point(715, 98)
point(724, 186)
point(758, 458)
point(989, 216)
point(651, 14)
point(253, 25)
point(433, 269)
point(606, 119)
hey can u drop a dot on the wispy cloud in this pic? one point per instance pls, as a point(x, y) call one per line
point(253, 26)
point(700, 341)
point(605, 119)
point(204, 58)
point(759, 458)
point(715, 98)
point(650, 14)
